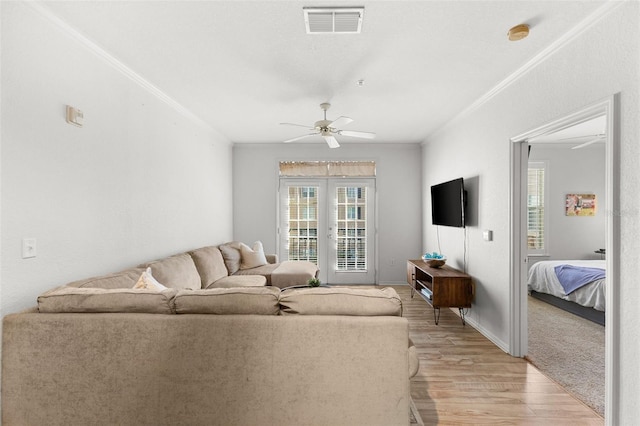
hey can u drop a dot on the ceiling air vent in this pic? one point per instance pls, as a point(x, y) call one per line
point(332, 20)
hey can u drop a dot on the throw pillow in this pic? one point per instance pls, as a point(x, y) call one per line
point(252, 257)
point(231, 255)
point(147, 282)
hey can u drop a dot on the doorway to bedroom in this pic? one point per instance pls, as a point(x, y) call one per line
point(533, 231)
point(566, 236)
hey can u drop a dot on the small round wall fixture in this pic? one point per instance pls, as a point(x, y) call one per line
point(518, 32)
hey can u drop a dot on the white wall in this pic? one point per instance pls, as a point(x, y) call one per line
point(573, 171)
point(255, 181)
point(601, 61)
point(139, 181)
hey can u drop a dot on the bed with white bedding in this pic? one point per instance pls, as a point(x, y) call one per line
point(543, 281)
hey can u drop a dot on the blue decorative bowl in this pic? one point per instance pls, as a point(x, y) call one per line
point(434, 262)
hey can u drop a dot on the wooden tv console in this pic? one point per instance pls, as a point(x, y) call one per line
point(443, 287)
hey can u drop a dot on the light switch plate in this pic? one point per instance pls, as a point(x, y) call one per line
point(75, 116)
point(28, 248)
point(487, 235)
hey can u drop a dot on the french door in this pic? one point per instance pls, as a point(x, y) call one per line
point(330, 222)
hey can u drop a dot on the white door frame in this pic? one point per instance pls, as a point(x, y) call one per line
point(518, 262)
point(368, 276)
point(283, 185)
point(324, 239)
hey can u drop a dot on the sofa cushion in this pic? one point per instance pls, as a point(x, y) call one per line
point(252, 257)
point(94, 300)
point(414, 360)
point(228, 301)
point(264, 270)
point(240, 281)
point(341, 301)
point(177, 271)
point(293, 272)
point(147, 282)
point(231, 254)
point(210, 265)
point(123, 279)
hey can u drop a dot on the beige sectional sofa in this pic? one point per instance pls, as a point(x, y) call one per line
point(99, 352)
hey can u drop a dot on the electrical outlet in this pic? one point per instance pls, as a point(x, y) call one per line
point(28, 248)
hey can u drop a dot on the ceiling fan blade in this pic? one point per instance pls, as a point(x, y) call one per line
point(331, 141)
point(340, 121)
point(300, 137)
point(596, 137)
point(299, 125)
point(587, 143)
point(356, 134)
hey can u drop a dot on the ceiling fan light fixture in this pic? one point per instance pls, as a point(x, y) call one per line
point(518, 32)
point(328, 128)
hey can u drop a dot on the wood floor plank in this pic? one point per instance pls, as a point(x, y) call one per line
point(465, 379)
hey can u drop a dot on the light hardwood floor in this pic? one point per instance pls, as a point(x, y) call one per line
point(465, 379)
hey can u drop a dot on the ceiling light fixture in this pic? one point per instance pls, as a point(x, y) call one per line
point(360, 82)
point(518, 32)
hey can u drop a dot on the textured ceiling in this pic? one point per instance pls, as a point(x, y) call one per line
point(245, 66)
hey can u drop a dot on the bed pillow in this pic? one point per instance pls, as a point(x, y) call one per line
point(252, 257)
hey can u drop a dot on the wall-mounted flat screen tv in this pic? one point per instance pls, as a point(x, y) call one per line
point(447, 203)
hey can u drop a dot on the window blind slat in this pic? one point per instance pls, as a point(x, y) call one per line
point(535, 207)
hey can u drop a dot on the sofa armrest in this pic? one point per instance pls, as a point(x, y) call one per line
point(414, 361)
point(272, 258)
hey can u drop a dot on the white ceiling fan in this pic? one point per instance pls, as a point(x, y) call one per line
point(328, 128)
point(588, 140)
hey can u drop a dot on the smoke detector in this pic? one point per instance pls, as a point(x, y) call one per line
point(333, 20)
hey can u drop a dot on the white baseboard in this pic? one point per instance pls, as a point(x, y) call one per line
point(486, 333)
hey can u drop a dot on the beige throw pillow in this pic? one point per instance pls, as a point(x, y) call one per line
point(252, 257)
point(231, 255)
point(147, 282)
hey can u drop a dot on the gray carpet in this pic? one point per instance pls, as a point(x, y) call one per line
point(568, 349)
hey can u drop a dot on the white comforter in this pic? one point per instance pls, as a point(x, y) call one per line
point(543, 279)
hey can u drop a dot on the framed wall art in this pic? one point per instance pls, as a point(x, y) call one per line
point(580, 205)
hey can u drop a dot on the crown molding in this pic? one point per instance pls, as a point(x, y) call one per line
point(554, 47)
point(120, 67)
